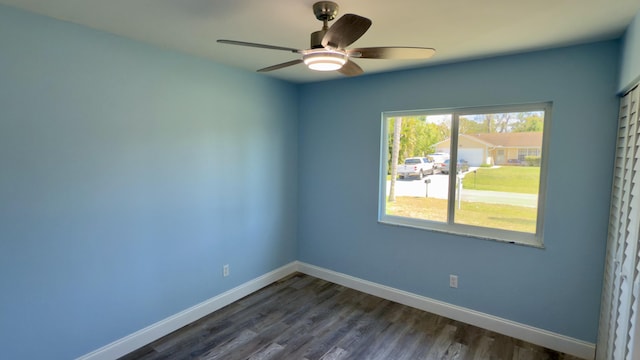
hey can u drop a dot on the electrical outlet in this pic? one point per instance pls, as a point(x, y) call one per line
point(453, 281)
point(225, 270)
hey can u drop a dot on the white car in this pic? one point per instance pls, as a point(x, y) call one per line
point(438, 160)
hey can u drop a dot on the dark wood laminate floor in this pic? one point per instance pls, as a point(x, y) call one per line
point(302, 317)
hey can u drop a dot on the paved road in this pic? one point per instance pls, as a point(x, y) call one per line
point(439, 188)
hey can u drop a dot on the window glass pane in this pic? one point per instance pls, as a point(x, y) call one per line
point(469, 171)
point(498, 170)
point(416, 187)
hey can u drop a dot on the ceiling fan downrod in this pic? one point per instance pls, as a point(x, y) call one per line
point(324, 11)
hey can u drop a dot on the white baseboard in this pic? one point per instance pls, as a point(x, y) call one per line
point(164, 327)
point(514, 329)
point(510, 328)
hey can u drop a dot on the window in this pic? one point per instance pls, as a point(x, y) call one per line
point(486, 177)
point(523, 153)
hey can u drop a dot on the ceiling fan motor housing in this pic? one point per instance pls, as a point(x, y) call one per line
point(316, 38)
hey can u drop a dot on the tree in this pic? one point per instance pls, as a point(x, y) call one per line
point(529, 123)
point(395, 152)
point(501, 123)
point(469, 126)
point(417, 137)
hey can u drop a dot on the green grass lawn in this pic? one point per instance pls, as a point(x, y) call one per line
point(517, 179)
point(506, 217)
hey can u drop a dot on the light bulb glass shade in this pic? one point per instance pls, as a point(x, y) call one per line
point(324, 60)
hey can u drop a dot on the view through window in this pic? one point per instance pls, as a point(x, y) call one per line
point(477, 172)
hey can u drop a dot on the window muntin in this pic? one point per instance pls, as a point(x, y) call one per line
point(501, 194)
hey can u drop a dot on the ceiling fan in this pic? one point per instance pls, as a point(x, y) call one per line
point(329, 51)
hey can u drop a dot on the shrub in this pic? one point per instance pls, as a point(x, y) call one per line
point(532, 160)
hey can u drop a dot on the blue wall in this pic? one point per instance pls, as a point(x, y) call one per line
point(630, 69)
point(557, 288)
point(128, 176)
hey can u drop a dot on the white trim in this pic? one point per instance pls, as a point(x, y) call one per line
point(510, 328)
point(514, 329)
point(164, 327)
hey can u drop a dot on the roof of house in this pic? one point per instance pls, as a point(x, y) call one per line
point(516, 139)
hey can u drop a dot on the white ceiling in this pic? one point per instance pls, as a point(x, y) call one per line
point(458, 29)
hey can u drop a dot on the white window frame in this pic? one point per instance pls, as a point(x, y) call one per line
point(508, 236)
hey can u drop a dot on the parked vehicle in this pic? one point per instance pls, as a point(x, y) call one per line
point(438, 160)
point(462, 166)
point(415, 166)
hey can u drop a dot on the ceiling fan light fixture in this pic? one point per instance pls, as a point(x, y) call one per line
point(325, 60)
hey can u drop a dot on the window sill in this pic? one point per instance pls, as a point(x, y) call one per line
point(502, 236)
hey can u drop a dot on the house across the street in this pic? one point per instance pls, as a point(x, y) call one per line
point(495, 148)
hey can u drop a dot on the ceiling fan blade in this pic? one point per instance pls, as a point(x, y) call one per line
point(350, 69)
point(392, 52)
point(345, 31)
point(280, 66)
point(263, 46)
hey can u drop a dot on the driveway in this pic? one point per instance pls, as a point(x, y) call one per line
point(439, 189)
